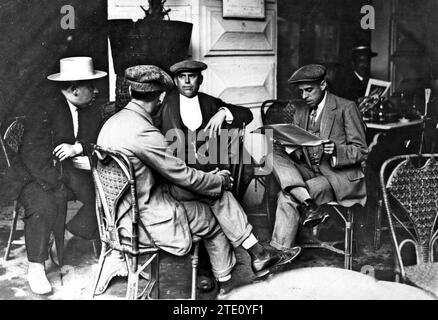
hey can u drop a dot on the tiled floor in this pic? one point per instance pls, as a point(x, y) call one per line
point(80, 266)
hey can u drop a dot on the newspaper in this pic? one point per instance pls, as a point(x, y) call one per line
point(290, 135)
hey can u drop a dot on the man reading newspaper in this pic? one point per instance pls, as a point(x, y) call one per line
point(314, 173)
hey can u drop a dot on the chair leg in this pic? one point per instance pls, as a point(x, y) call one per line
point(12, 231)
point(195, 259)
point(348, 260)
point(100, 267)
point(133, 278)
point(378, 225)
point(155, 276)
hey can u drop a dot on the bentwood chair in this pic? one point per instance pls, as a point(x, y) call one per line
point(114, 178)
point(10, 143)
point(410, 195)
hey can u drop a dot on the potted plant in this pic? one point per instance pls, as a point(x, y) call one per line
point(152, 40)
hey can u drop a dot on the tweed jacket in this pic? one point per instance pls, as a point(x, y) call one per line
point(131, 132)
point(341, 123)
point(169, 117)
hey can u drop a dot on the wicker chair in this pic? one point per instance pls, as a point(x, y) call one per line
point(11, 142)
point(410, 187)
point(114, 177)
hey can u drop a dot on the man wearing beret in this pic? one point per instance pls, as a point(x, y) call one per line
point(57, 130)
point(312, 176)
point(162, 180)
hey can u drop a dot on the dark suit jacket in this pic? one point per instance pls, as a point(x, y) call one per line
point(341, 123)
point(350, 87)
point(169, 117)
point(48, 125)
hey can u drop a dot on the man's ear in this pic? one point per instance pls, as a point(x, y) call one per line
point(129, 90)
point(201, 78)
point(323, 85)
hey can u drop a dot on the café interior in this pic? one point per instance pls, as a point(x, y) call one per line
point(251, 49)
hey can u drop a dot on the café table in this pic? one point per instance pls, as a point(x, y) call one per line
point(326, 283)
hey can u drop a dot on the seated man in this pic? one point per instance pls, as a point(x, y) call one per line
point(161, 177)
point(312, 176)
point(57, 130)
point(192, 115)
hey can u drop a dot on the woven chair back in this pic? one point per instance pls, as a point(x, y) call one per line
point(114, 179)
point(11, 140)
point(410, 194)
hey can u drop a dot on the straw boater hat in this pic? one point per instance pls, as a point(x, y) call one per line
point(75, 69)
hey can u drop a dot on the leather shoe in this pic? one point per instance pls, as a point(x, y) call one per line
point(261, 266)
point(224, 289)
point(312, 214)
point(205, 281)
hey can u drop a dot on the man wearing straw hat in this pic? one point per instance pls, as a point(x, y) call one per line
point(58, 131)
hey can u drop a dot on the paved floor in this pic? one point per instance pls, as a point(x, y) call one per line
point(78, 273)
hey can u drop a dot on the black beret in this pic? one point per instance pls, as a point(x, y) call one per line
point(148, 78)
point(308, 73)
point(188, 65)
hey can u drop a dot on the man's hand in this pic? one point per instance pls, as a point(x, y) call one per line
point(227, 180)
point(215, 123)
point(65, 150)
point(329, 147)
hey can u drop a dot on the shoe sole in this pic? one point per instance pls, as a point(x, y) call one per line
point(290, 259)
point(263, 272)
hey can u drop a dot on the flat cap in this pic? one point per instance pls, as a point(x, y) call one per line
point(188, 65)
point(308, 73)
point(148, 78)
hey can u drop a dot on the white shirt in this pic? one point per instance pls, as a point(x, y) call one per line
point(74, 115)
point(191, 115)
point(320, 106)
point(80, 162)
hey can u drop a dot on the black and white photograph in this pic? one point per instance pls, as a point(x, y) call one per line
point(237, 154)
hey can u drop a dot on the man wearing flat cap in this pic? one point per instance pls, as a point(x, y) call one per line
point(162, 179)
point(312, 176)
point(58, 132)
point(189, 114)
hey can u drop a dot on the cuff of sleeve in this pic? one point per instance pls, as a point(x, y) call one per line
point(229, 116)
point(78, 148)
point(334, 161)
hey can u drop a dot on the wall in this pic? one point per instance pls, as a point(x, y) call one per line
point(380, 39)
point(240, 53)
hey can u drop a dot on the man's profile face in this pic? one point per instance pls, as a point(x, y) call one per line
point(312, 92)
point(362, 65)
point(188, 83)
point(83, 93)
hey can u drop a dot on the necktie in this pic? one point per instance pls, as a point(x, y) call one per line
point(313, 116)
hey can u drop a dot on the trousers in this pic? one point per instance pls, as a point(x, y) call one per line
point(231, 220)
point(45, 212)
point(291, 174)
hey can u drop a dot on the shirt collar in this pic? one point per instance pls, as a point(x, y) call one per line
point(72, 106)
point(322, 103)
